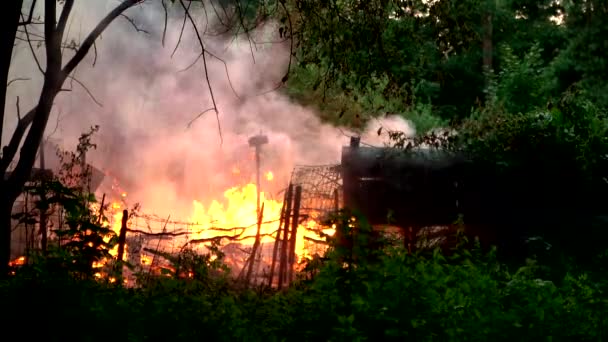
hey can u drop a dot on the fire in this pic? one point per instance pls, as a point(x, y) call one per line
point(237, 217)
point(269, 176)
point(234, 216)
point(239, 214)
point(20, 261)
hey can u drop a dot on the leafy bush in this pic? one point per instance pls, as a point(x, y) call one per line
point(360, 293)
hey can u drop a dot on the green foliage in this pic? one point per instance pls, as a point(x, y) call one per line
point(83, 238)
point(541, 116)
point(364, 290)
point(431, 54)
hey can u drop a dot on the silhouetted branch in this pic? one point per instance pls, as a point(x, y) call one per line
point(129, 19)
point(315, 240)
point(202, 45)
point(181, 32)
point(230, 238)
point(29, 42)
point(15, 80)
point(86, 90)
point(63, 19)
point(18, 109)
point(156, 234)
point(88, 42)
point(166, 20)
point(199, 115)
point(290, 40)
point(9, 151)
point(29, 17)
point(94, 54)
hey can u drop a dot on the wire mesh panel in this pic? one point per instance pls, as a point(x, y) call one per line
point(321, 196)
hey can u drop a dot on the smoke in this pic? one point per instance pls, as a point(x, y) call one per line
point(150, 97)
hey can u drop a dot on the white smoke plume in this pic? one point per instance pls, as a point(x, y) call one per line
point(148, 101)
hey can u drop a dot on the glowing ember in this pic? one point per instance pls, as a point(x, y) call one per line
point(269, 176)
point(20, 261)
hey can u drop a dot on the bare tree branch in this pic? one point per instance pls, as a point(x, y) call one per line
point(316, 240)
point(48, 137)
point(18, 109)
point(94, 54)
point(166, 20)
point(86, 89)
point(199, 115)
point(225, 69)
point(230, 238)
point(129, 19)
point(202, 45)
point(240, 15)
point(88, 42)
point(29, 17)
point(53, 41)
point(9, 151)
point(290, 40)
point(156, 234)
point(15, 80)
point(29, 42)
point(181, 32)
point(63, 19)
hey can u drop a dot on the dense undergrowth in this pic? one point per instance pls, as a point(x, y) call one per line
point(355, 293)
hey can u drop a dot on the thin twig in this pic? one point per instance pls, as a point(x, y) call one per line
point(15, 80)
point(229, 237)
point(86, 89)
point(56, 126)
point(166, 20)
point(202, 45)
point(29, 17)
point(129, 19)
point(27, 35)
point(94, 54)
point(240, 15)
point(181, 31)
point(225, 70)
point(290, 40)
point(199, 115)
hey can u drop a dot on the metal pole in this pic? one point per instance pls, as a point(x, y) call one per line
point(257, 177)
point(257, 142)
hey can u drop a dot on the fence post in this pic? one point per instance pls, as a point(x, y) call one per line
point(294, 231)
point(283, 262)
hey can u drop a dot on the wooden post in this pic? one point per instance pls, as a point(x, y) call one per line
point(122, 237)
point(283, 261)
point(43, 217)
point(255, 247)
point(294, 231)
point(336, 200)
point(103, 200)
point(277, 242)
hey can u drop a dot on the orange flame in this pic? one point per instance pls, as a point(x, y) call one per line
point(234, 216)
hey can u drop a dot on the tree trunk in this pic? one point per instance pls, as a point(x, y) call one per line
point(6, 208)
point(54, 77)
point(488, 49)
point(9, 20)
